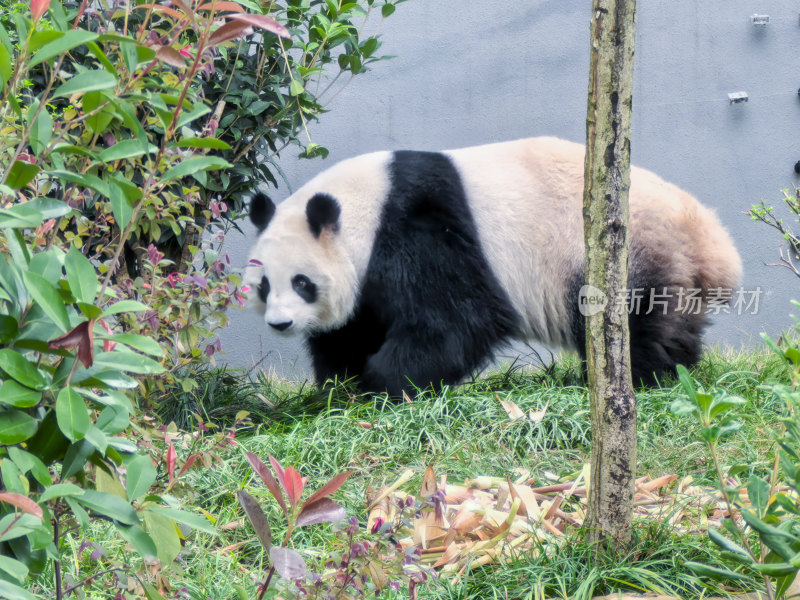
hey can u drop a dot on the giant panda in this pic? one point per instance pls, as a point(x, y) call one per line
point(407, 269)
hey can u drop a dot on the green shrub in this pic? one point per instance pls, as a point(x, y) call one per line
point(111, 269)
point(766, 214)
point(761, 536)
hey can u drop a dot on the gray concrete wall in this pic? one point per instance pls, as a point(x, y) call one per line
point(468, 73)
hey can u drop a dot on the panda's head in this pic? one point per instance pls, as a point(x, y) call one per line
point(299, 268)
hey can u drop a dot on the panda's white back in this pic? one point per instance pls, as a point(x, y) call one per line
point(525, 197)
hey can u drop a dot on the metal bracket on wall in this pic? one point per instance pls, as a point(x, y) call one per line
point(738, 97)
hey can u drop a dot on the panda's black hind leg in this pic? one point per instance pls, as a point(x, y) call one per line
point(664, 339)
point(662, 336)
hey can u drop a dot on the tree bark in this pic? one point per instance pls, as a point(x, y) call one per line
point(605, 213)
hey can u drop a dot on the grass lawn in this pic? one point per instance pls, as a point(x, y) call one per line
point(463, 432)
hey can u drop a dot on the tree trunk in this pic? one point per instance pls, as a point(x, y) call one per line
point(605, 212)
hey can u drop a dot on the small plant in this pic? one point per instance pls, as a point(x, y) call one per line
point(762, 535)
point(360, 563)
point(766, 214)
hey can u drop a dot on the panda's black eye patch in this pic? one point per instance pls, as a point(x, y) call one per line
point(263, 289)
point(304, 288)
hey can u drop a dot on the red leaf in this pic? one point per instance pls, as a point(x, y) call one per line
point(23, 503)
point(80, 337)
point(256, 517)
point(229, 31)
point(323, 510)
point(278, 468)
point(288, 563)
point(38, 8)
point(168, 54)
point(108, 345)
point(329, 488)
point(221, 6)
point(166, 10)
point(263, 22)
point(189, 462)
point(172, 456)
point(263, 472)
point(294, 485)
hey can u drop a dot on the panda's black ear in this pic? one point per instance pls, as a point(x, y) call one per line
point(262, 209)
point(323, 212)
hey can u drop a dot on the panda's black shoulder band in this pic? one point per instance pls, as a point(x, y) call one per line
point(262, 209)
point(322, 211)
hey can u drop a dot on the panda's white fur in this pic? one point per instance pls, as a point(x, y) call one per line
point(418, 256)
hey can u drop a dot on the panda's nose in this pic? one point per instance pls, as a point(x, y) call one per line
point(281, 326)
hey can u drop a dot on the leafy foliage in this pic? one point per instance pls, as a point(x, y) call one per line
point(111, 234)
point(362, 564)
point(772, 515)
point(766, 214)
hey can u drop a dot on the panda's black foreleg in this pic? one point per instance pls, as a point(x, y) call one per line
point(405, 364)
point(341, 354)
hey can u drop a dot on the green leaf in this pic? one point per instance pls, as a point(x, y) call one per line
point(6, 69)
point(778, 569)
point(151, 592)
point(387, 10)
point(195, 164)
point(60, 490)
point(193, 520)
point(96, 121)
point(164, 534)
point(81, 276)
point(128, 362)
point(12, 527)
point(75, 458)
point(141, 476)
point(120, 205)
point(140, 540)
point(18, 248)
point(90, 311)
point(72, 415)
point(11, 591)
point(203, 142)
point(139, 342)
point(97, 439)
point(775, 348)
point(113, 419)
point(101, 56)
point(20, 174)
point(88, 81)
point(130, 55)
point(14, 394)
point(296, 88)
point(717, 573)
point(41, 131)
point(126, 149)
point(9, 328)
point(109, 505)
point(14, 568)
point(726, 544)
point(49, 208)
point(20, 216)
point(17, 367)
point(80, 514)
point(66, 42)
point(16, 426)
point(758, 493)
point(90, 181)
point(46, 296)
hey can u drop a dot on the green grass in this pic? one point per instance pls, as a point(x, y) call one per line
point(463, 432)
